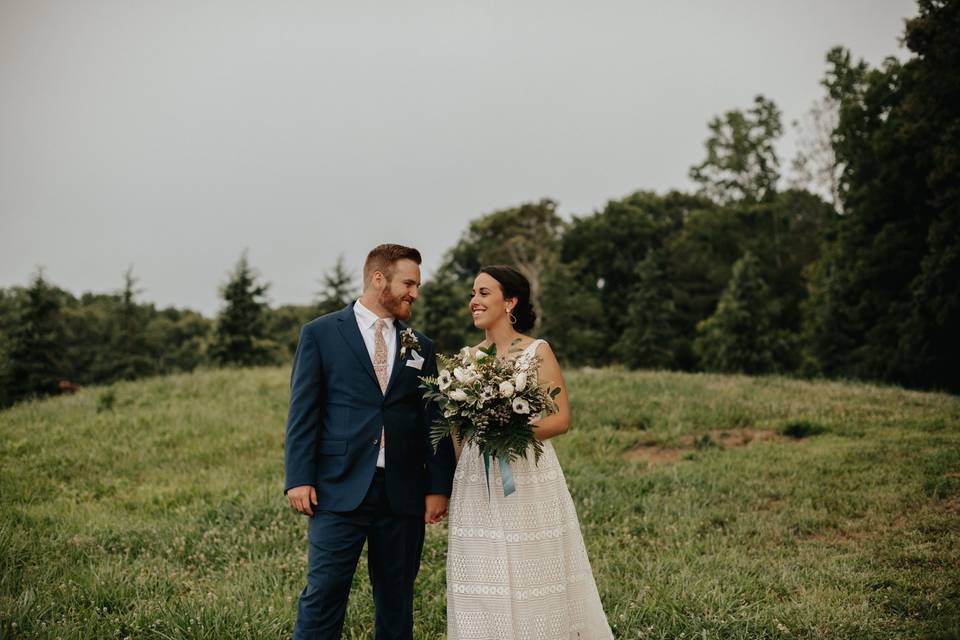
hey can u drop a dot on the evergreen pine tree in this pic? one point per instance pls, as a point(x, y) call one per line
point(338, 288)
point(240, 337)
point(443, 312)
point(648, 338)
point(129, 351)
point(741, 336)
point(35, 343)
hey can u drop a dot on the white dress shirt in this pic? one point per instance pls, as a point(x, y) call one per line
point(366, 320)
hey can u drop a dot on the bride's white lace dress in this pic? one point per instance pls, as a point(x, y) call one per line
point(517, 568)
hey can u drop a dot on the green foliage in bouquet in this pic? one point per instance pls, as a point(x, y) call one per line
point(489, 401)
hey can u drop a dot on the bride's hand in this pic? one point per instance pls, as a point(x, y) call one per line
point(435, 508)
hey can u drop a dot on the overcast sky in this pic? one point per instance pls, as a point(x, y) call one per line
point(172, 135)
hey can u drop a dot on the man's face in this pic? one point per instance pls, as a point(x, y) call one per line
point(402, 289)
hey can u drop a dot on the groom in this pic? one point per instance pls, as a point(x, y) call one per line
point(358, 454)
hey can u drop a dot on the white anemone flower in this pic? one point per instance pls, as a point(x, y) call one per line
point(506, 389)
point(444, 380)
point(488, 393)
point(521, 406)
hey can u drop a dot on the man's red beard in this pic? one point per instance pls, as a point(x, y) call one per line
point(394, 304)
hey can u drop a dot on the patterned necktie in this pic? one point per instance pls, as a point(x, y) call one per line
point(380, 354)
point(380, 361)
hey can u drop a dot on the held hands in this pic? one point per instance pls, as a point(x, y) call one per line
point(435, 508)
point(303, 498)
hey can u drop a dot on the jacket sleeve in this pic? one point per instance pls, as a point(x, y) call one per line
point(303, 417)
point(440, 465)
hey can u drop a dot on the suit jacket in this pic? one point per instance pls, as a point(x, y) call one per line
point(337, 409)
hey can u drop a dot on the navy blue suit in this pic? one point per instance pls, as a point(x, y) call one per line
point(332, 441)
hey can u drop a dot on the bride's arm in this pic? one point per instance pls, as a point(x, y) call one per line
point(557, 423)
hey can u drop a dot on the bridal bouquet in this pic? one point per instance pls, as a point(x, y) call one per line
point(489, 402)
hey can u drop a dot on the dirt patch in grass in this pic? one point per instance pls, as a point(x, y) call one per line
point(652, 453)
point(952, 504)
point(655, 454)
point(729, 438)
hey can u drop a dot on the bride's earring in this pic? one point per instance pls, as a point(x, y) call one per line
point(513, 318)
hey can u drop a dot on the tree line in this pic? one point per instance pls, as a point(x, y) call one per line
point(850, 268)
point(52, 341)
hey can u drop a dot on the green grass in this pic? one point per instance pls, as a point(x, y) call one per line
point(154, 509)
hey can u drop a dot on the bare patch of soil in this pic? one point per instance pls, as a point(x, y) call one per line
point(654, 454)
point(651, 452)
point(730, 438)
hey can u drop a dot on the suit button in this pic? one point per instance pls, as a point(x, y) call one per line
point(376, 441)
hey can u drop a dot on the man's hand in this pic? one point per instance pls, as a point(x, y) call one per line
point(435, 508)
point(303, 498)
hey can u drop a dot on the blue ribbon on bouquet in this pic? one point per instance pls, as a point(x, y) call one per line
point(506, 474)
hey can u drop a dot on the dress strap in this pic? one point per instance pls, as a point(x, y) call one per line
point(533, 345)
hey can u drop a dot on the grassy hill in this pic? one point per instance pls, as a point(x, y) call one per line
point(154, 509)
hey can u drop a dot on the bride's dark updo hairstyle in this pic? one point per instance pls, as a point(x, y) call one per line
point(514, 285)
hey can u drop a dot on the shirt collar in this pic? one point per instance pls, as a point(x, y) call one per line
point(368, 318)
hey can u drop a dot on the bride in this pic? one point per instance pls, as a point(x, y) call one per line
point(517, 568)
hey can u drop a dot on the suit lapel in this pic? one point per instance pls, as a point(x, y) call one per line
point(351, 335)
point(397, 360)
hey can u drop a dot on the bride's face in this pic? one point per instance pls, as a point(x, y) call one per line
point(487, 304)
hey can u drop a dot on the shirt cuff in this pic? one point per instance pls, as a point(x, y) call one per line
point(381, 458)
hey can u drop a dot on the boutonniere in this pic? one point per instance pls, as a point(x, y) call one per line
point(408, 340)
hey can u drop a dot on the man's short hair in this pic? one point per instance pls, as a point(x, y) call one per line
point(382, 258)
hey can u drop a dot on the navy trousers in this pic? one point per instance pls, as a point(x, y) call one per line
point(394, 544)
